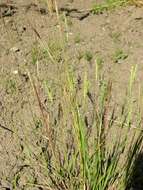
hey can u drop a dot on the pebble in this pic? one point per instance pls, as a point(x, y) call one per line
point(15, 72)
point(14, 49)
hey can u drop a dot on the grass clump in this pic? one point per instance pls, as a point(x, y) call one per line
point(72, 154)
point(88, 56)
point(119, 55)
point(11, 86)
point(53, 51)
point(35, 54)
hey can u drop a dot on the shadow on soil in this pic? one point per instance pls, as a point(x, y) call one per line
point(136, 178)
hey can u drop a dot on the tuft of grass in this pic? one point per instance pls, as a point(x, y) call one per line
point(82, 157)
point(88, 56)
point(11, 86)
point(53, 51)
point(119, 55)
point(48, 91)
point(35, 54)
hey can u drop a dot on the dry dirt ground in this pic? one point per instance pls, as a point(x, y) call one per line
point(24, 26)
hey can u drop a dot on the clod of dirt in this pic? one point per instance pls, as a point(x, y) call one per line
point(24, 76)
point(34, 7)
point(43, 11)
point(72, 12)
point(79, 15)
point(7, 10)
point(75, 13)
point(30, 6)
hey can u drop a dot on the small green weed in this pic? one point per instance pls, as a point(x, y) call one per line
point(77, 39)
point(119, 56)
point(53, 50)
point(35, 55)
point(99, 61)
point(115, 36)
point(108, 5)
point(48, 91)
point(11, 86)
point(99, 65)
point(38, 124)
point(88, 56)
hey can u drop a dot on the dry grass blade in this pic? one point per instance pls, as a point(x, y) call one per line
point(138, 3)
point(50, 4)
point(45, 115)
point(7, 129)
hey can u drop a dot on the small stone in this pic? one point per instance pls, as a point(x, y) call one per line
point(15, 72)
point(22, 29)
point(14, 49)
